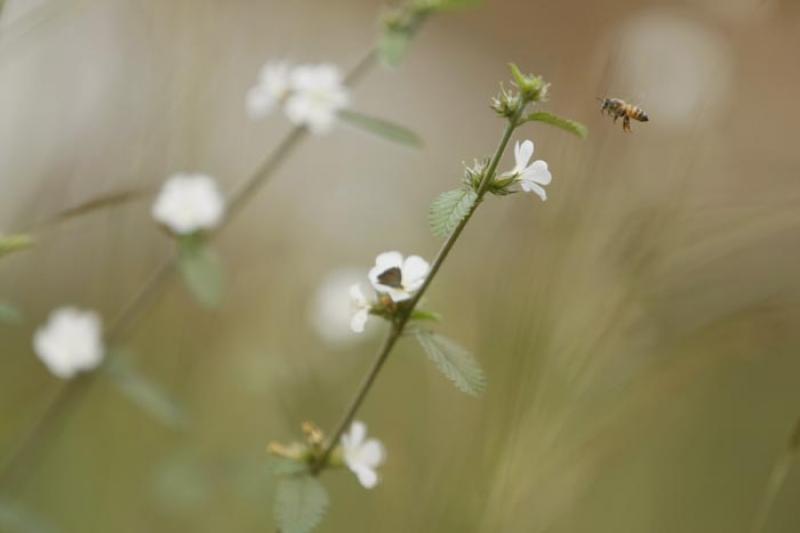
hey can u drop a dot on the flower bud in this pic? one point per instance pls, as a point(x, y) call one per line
point(533, 88)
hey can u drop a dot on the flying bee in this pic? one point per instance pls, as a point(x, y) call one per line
point(619, 108)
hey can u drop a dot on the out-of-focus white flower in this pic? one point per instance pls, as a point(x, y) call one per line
point(398, 278)
point(188, 203)
point(361, 455)
point(331, 311)
point(531, 178)
point(361, 308)
point(317, 94)
point(70, 342)
point(272, 87)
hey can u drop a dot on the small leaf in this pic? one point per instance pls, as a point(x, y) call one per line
point(449, 209)
point(382, 128)
point(100, 202)
point(300, 503)
point(455, 362)
point(393, 46)
point(201, 270)
point(565, 124)
point(144, 393)
point(9, 314)
point(421, 314)
point(16, 519)
point(14, 243)
point(443, 5)
point(281, 466)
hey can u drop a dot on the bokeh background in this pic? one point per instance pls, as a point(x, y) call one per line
point(639, 330)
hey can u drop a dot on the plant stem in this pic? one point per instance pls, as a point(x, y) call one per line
point(397, 328)
point(128, 317)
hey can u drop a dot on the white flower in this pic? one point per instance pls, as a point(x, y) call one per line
point(396, 277)
point(317, 95)
point(331, 309)
point(362, 456)
point(70, 342)
point(530, 177)
point(361, 308)
point(188, 203)
point(272, 87)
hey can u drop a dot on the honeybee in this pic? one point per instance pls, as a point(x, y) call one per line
point(619, 108)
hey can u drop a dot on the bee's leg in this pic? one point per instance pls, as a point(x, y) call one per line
point(626, 124)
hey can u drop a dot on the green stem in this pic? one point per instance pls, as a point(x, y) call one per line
point(397, 328)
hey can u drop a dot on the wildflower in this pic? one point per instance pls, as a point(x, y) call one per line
point(530, 177)
point(70, 342)
point(188, 203)
point(331, 309)
point(317, 94)
point(362, 456)
point(361, 308)
point(399, 278)
point(273, 86)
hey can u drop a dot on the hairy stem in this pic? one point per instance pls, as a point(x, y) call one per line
point(397, 328)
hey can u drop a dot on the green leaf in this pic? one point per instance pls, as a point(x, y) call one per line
point(443, 5)
point(145, 393)
point(201, 270)
point(565, 124)
point(300, 503)
point(455, 362)
point(382, 128)
point(14, 243)
point(9, 314)
point(449, 209)
point(16, 519)
point(393, 46)
point(421, 314)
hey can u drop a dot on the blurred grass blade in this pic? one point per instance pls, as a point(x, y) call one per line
point(16, 519)
point(455, 362)
point(382, 128)
point(300, 503)
point(100, 202)
point(576, 128)
point(449, 208)
point(9, 314)
point(144, 393)
point(201, 270)
point(10, 244)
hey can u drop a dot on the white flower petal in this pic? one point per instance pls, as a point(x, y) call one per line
point(387, 260)
point(188, 203)
point(359, 320)
point(414, 269)
point(538, 172)
point(358, 432)
point(397, 295)
point(366, 476)
point(522, 154)
point(372, 453)
point(532, 186)
point(357, 296)
point(70, 342)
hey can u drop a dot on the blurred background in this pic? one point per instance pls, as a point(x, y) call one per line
point(638, 330)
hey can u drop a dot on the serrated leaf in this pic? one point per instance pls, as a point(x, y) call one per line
point(201, 271)
point(565, 124)
point(10, 244)
point(456, 363)
point(282, 466)
point(382, 128)
point(300, 503)
point(449, 209)
point(16, 519)
point(393, 46)
point(144, 392)
point(9, 314)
